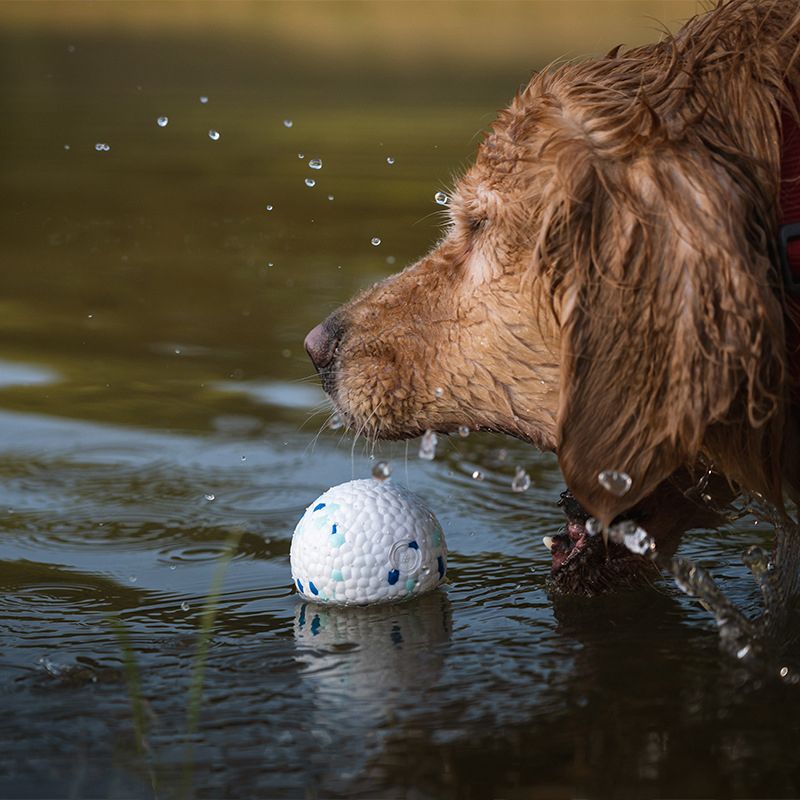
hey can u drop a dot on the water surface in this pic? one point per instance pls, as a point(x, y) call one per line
point(155, 402)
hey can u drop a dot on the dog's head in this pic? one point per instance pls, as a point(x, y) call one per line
point(605, 287)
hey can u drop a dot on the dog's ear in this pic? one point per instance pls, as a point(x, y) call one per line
point(672, 330)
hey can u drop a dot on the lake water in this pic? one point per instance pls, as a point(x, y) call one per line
point(157, 409)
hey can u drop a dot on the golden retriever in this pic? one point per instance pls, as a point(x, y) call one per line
point(609, 286)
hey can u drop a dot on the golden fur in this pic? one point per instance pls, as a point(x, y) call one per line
point(608, 286)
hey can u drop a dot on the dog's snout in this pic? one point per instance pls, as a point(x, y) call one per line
point(321, 344)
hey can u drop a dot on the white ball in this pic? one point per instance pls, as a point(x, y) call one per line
point(367, 541)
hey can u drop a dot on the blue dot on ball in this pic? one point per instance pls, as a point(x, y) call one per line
point(394, 575)
point(299, 585)
point(413, 545)
point(313, 588)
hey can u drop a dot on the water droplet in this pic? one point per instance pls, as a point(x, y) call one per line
point(162, 122)
point(315, 163)
point(213, 135)
point(743, 652)
point(463, 431)
point(618, 483)
point(300, 156)
point(70, 48)
point(521, 481)
point(374, 241)
point(427, 446)
point(381, 471)
point(438, 391)
point(132, 578)
point(390, 259)
point(330, 197)
point(441, 198)
point(269, 208)
point(173, 567)
point(477, 475)
point(203, 99)
point(310, 182)
point(102, 147)
point(90, 316)
point(335, 422)
point(270, 264)
point(244, 458)
point(66, 147)
point(287, 123)
point(184, 606)
point(210, 497)
point(593, 526)
point(390, 160)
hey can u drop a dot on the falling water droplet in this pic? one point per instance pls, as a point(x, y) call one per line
point(184, 606)
point(287, 123)
point(330, 197)
point(162, 122)
point(213, 135)
point(102, 147)
point(203, 99)
point(335, 422)
point(244, 458)
point(427, 446)
point(521, 481)
point(463, 431)
point(614, 481)
point(441, 198)
point(210, 497)
point(438, 391)
point(374, 241)
point(477, 475)
point(381, 471)
point(269, 208)
point(390, 160)
point(310, 182)
point(315, 163)
point(593, 526)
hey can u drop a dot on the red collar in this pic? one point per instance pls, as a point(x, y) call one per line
point(790, 202)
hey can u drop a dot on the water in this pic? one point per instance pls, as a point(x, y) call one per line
point(521, 481)
point(144, 350)
point(427, 446)
point(614, 481)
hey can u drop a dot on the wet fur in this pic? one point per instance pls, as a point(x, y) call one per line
point(607, 287)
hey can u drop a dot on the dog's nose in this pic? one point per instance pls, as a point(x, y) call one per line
point(320, 345)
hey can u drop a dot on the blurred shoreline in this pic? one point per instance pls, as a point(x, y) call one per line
point(409, 34)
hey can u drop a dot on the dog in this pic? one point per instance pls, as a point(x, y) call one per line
point(616, 284)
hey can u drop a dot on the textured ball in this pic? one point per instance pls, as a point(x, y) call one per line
point(367, 541)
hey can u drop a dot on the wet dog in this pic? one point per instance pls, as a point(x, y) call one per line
point(610, 286)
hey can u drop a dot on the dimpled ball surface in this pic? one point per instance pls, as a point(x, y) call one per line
point(367, 541)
